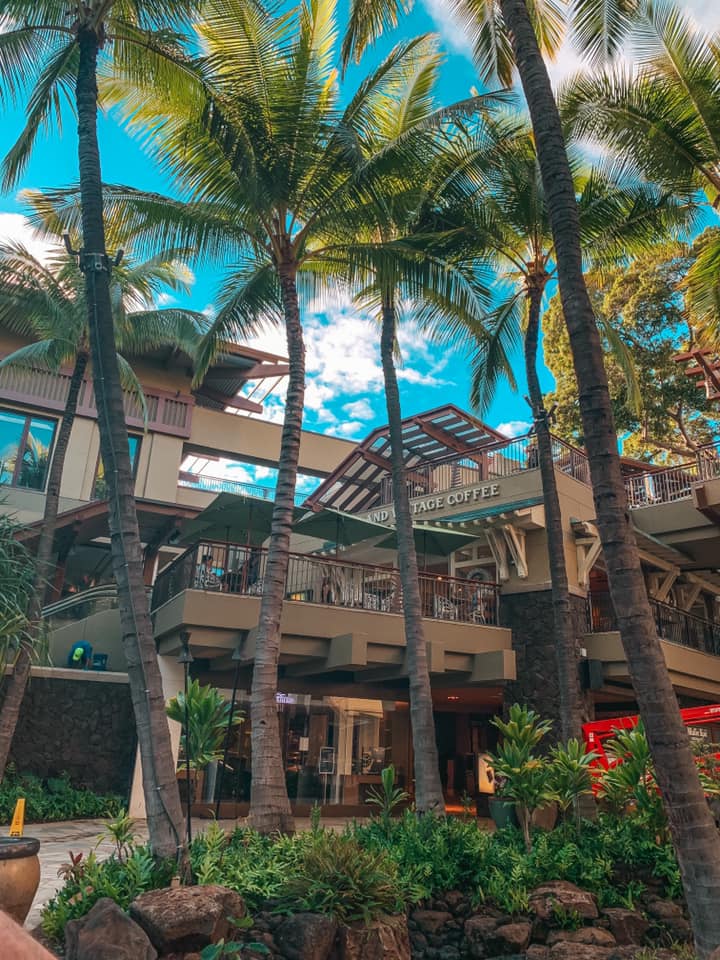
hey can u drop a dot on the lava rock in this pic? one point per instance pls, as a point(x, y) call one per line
point(306, 936)
point(384, 939)
point(556, 895)
point(627, 926)
point(430, 921)
point(183, 919)
point(107, 933)
point(594, 936)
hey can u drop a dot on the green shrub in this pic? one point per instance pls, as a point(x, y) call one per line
point(52, 799)
point(89, 879)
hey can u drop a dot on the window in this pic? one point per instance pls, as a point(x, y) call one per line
point(100, 489)
point(25, 448)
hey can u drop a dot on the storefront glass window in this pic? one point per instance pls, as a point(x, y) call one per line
point(334, 748)
point(25, 449)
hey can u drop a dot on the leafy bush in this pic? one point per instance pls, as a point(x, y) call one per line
point(208, 713)
point(53, 799)
point(89, 879)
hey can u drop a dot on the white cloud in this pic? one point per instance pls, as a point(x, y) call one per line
point(352, 428)
point(359, 409)
point(513, 428)
point(449, 26)
point(16, 228)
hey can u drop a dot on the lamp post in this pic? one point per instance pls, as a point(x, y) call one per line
point(186, 658)
point(237, 658)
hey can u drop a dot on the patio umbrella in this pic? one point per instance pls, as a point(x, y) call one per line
point(232, 519)
point(432, 541)
point(340, 528)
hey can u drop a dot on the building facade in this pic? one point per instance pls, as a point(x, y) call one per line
point(343, 700)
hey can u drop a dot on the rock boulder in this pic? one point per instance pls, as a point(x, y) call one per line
point(306, 936)
point(627, 926)
point(547, 900)
point(107, 933)
point(183, 919)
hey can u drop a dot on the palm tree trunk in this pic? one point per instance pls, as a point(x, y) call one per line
point(162, 797)
point(695, 837)
point(428, 789)
point(269, 802)
point(18, 680)
point(566, 643)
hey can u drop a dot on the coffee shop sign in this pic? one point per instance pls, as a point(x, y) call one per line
point(433, 504)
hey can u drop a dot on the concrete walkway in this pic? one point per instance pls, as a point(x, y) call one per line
point(83, 836)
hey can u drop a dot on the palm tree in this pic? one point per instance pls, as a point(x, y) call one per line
point(46, 303)
point(512, 225)
point(407, 261)
point(520, 32)
point(273, 180)
point(663, 117)
point(48, 54)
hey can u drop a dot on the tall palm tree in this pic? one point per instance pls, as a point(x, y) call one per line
point(662, 115)
point(48, 55)
point(272, 180)
point(407, 266)
point(512, 225)
point(46, 303)
point(521, 32)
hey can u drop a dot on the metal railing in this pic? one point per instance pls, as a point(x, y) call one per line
point(673, 483)
point(82, 604)
point(491, 463)
point(199, 481)
point(672, 624)
point(240, 569)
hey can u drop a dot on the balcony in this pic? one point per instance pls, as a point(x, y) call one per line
point(239, 569)
point(674, 483)
point(215, 485)
point(672, 624)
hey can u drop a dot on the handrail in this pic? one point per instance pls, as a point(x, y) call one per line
point(106, 591)
point(240, 569)
point(673, 483)
point(494, 461)
point(210, 484)
point(672, 623)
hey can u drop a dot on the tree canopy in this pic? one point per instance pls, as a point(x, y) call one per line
point(645, 303)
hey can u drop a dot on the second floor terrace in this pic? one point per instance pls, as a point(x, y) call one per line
point(240, 569)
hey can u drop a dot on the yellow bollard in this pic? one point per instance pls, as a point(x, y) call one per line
point(18, 820)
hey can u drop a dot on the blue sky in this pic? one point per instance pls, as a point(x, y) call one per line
point(344, 378)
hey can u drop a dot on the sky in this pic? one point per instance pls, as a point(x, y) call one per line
point(344, 378)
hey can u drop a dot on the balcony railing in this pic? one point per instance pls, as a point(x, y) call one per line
point(240, 569)
point(199, 481)
point(672, 624)
point(674, 483)
point(492, 463)
point(166, 412)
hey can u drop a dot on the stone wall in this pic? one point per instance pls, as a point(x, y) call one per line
point(77, 724)
point(530, 617)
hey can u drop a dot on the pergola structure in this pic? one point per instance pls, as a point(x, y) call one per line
point(707, 369)
point(428, 439)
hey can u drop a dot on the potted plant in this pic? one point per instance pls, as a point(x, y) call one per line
point(526, 779)
point(208, 718)
point(19, 875)
point(502, 807)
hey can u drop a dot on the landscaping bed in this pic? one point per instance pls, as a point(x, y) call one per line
point(53, 799)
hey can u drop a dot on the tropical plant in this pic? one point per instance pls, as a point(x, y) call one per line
point(388, 797)
point(630, 779)
point(49, 53)
point(208, 717)
point(526, 775)
point(513, 228)
point(569, 775)
point(507, 33)
point(45, 302)
point(277, 180)
point(17, 575)
point(661, 116)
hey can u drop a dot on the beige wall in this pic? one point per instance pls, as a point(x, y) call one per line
point(101, 630)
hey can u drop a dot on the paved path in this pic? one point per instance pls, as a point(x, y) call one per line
point(82, 836)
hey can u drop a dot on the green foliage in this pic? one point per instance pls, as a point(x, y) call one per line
point(387, 799)
point(337, 876)
point(630, 779)
point(87, 880)
point(231, 950)
point(208, 716)
point(52, 799)
point(121, 832)
point(17, 571)
point(569, 774)
point(526, 777)
point(566, 919)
